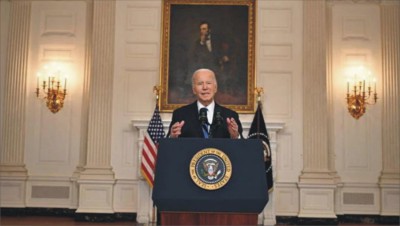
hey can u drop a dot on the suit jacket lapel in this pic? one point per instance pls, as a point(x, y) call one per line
point(217, 108)
point(214, 126)
point(196, 122)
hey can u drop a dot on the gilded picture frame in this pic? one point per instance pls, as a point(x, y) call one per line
point(227, 48)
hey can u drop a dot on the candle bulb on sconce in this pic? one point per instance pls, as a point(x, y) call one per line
point(363, 89)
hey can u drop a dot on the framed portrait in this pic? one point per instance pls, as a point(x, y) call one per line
point(218, 35)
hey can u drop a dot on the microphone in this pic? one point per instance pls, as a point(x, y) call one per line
point(203, 116)
point(217, 122)
point(218, 118)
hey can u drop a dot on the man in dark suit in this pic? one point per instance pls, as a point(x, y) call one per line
point(221, 122)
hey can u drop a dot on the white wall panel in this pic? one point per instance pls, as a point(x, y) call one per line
point(287, 199)
point(128, 157)
point(139, 95)
point(282, 19)
point(141, 50)
point(12, 193)
point(58, 22)
point(60, 52)
point(141, 56)
point(279, 72)
point(359, 198)
point(142, 20)
point(277, 56)
point(57, 35)
point(316, 202)
point(142, 16)
point(356, 41)
point(356, 26)
point(49, 192)
point(357, 143)
point(390, 201)
point(98, 197)
point(279, 88)
point(285, 155)
point(54, 137)
point(125, 199)
point(136, 72)
point(141, 35)
point(276, 52)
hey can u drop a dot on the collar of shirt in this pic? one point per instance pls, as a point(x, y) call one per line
point(210, 110)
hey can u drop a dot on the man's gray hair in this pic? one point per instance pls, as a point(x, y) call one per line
point(203, 70)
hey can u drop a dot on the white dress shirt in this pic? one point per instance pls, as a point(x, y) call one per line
point(210, 110)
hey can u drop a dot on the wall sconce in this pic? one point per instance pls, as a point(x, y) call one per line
point(53, 89)
point(358, 97)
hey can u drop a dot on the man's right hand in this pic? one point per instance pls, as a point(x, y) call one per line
point(176, 129)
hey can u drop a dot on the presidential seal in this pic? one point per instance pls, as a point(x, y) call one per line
point(210, 169)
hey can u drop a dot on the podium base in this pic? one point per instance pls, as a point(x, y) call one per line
point(190, 218)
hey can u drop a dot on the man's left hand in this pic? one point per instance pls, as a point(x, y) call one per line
point(233, 128)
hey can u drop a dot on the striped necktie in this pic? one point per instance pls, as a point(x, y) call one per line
point(204, 124)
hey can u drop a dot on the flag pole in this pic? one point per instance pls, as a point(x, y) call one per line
point(259, 91)
point(153, 219)
point(156, 91)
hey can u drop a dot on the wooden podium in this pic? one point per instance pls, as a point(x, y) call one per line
point(188, 218)
point(182, 201)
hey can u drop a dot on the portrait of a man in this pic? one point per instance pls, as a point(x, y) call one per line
point(214, 37)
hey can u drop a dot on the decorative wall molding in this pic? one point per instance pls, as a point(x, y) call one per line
point(49, 191)
point(96, 181)
point(13, 172)
point(283, 22)
point(58, 22)
point(15, 84)
point(389, 180)
point(317, 179)
point(332, 2)
point(276, 51)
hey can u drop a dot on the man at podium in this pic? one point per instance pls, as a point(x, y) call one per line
point(224, 182)
point(204, 117)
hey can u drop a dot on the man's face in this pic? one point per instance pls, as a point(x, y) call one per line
point(204, 29)
point(204, 87)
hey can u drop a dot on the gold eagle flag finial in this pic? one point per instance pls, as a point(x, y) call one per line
point(259, 91)
point(157, 91)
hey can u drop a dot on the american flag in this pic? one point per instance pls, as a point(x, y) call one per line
point(154, 133)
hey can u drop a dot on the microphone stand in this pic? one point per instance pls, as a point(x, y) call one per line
point(218, 122)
